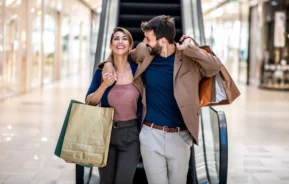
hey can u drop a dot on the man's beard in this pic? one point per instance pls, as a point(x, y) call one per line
point(156, 50)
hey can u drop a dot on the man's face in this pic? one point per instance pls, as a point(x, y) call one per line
point(152, 43)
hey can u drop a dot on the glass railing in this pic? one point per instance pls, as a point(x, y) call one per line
point(211, 155)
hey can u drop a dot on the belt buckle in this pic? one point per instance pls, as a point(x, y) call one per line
point(113, 125)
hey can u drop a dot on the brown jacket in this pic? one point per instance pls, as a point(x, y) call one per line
point(190, 66)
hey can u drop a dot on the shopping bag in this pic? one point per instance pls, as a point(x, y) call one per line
point(212, 90)
point(206, 90)
point(219, 89)
point(59, 144)
point(87, 135)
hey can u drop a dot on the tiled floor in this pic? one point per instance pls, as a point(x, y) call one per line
point(29, 128)
point(258, 128)
point(258, 125)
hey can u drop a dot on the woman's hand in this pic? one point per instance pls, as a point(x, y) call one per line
point(108, 79)
point(109, 68)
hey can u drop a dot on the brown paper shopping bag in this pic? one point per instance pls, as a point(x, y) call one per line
point(87, 135)
point(219, 89)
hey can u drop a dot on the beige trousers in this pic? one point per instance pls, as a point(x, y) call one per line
point(165, 155)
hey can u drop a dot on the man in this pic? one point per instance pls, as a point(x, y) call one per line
point(168, 77)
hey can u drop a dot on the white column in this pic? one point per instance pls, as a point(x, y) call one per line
point(58, 47)
point(2, 53)
point(43, 3)
point(27, 63)
point(80, 45)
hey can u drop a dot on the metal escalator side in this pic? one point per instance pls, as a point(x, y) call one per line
point(108, 21)
point(213, 145)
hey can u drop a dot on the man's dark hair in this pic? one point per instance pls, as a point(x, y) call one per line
point(163, 27)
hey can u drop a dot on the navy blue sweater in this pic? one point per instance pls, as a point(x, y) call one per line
point(96, 81)
point(162, 108)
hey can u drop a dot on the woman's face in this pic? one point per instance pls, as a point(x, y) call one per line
point(120, 43)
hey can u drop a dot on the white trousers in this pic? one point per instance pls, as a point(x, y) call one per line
point(165, 155)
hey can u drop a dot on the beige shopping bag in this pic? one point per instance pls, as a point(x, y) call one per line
point(87, 135)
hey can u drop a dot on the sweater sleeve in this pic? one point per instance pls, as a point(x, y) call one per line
point(95, 83)
point(210, 64)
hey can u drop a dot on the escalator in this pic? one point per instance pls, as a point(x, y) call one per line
point(132, 13)
point(209, 160)
point(211, 155)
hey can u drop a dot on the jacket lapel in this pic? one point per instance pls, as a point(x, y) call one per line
point(177, 63)
point(143, 65)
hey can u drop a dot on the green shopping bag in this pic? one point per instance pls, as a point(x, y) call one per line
point(59, 144)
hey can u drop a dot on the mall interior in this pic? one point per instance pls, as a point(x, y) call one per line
point(49, 50)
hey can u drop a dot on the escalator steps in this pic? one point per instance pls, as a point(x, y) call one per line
point(132, 13)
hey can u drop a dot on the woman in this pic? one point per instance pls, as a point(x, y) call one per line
point(123, 96)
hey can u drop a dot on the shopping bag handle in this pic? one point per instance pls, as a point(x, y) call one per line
point(88, 100)
point(196, 44)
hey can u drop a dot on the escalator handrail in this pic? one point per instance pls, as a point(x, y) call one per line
point(223, 147)
point(223, 137)
point(102, 31)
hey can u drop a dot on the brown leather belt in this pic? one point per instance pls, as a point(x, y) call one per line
point(164, 128)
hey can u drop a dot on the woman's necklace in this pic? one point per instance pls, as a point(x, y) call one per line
point(120, 74)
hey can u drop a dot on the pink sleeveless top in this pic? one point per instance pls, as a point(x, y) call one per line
point(123, 98)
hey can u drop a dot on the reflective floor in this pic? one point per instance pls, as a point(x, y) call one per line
point(258, 125)
point(258, 128)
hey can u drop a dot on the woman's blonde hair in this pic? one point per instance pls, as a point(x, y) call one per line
point(125, 32)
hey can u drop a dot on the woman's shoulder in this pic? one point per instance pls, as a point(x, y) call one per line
point(98, 72)
point(133, 65)
point(132, 62)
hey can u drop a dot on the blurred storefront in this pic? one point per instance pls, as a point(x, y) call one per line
point(226, 30)
point(272, 52)
point(42, 41)
point(251, 37)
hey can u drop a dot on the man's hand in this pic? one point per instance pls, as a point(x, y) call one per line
point(186, 40)
point(109, 68)
point(184, 37)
